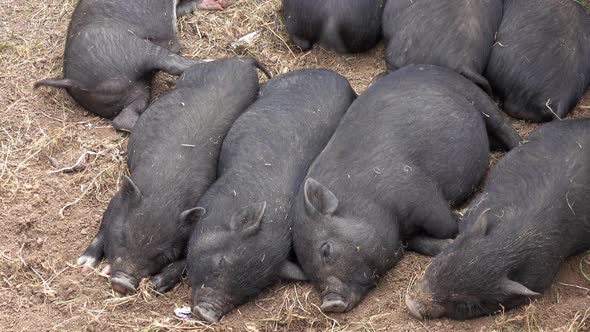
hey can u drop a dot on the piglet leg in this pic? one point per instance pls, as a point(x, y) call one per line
point(304, 44)
point(170, 276)
point(126, 120)
point(437, 224)
point(502, 134)
point(426, 245)
point(93, 254)
point(171, 63)
point(478, 79)
point(437, 220)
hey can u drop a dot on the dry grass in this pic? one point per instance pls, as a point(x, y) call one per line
point(48, 217)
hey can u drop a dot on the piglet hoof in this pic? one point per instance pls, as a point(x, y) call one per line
point(212, 4)
point(88, 263)
point(169, 277)
point(303, 44)
point(106, 270)
point(163, 283)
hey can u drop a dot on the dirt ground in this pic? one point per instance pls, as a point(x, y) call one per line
point(48, 218)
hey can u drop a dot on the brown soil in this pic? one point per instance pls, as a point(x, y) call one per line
point(46, 219)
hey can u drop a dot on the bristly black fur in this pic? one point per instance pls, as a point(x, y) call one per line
point(537, 198)
point(411, 145)
point(172, 158)
point(346, 26)
point(540, 64)
point(242, 244)
point(113, 48)
point(453, 34)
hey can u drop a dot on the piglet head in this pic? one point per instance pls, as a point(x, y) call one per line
point(143, 236)
point(468, 279)
point(229, 265)
point(343, 253)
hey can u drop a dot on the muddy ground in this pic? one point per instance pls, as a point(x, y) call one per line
point(47, 219)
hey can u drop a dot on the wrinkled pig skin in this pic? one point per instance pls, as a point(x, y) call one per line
point(540, 64)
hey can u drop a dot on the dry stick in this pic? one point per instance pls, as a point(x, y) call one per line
point(334, 321)
point(577, 316)
point(551, 110)
point(61, 211)
point(424, 326)
point(52, 118)
point(65, 321)
point(575, 286)
point(45, 284)
point(76, 165)
point(187, 328)
point(36, 152)
point(299, 301)
point(284, 42)
point(4, 165)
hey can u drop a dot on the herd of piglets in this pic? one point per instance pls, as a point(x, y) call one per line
point(243, 184)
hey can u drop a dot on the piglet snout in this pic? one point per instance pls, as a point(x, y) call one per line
point(413, 307)
point(124, 284)
point(207, 312)
point(420, 302)
point(333, 303)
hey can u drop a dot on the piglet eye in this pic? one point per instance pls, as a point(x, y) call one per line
point(221, 262)
point(326, 250)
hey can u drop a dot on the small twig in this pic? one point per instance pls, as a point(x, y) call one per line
point(61, 211)
point(78, 166)
point(551, 110)
point(424, 326)
point(575, 286)
point(65, 321)
point(568, 203)
point(45, 283)
point(283, 40)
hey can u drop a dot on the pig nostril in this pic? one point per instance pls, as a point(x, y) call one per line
point(334, 303)
point(207, 312)
point(413, 307)
point(123, 286)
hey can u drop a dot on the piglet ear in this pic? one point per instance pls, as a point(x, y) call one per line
point(512, 287)
point(129, 190)
point(291, 271)
point(192, 216)
point(318, 198)
point(480, 228)
point(247, 219)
